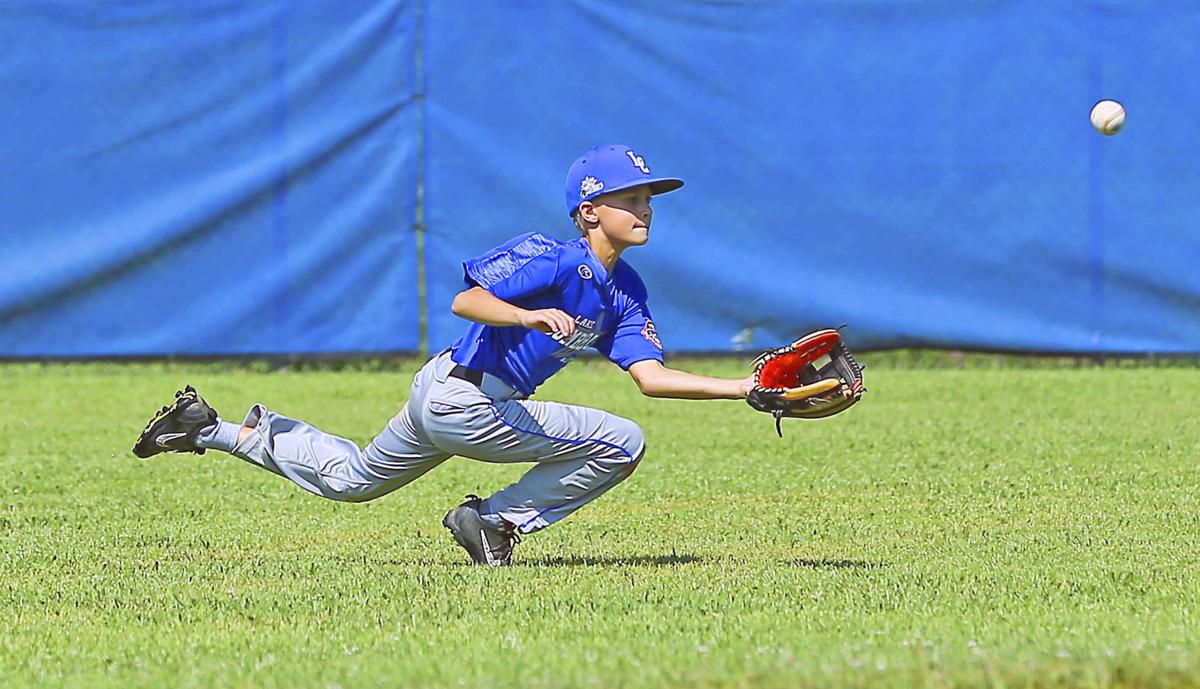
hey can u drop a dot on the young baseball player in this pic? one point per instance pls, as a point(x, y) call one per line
point(534, 303)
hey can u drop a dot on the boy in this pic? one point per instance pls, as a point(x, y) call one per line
point(534, 304)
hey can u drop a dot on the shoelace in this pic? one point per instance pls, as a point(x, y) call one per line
point(167, 408)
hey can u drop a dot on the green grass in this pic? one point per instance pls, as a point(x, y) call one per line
point(1007, 527)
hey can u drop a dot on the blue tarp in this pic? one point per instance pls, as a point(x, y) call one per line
point(223, 177)
point(923, 171)
point(207, 178)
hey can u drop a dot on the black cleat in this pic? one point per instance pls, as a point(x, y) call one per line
point(175, 427)
point(486, 543)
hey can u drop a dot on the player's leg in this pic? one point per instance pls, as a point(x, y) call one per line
point(322, 463)
point(580, 452)
point(584, 452)
point(329, 465)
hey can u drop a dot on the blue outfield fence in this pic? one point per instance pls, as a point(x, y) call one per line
point(219, 178)
point(207, 177)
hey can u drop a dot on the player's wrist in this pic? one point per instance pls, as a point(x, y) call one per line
point(522, 317)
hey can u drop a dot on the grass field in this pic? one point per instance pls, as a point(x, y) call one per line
point(1006, 527)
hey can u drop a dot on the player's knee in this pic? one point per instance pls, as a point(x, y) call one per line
point(633, 463)
point(630, 439)
point(341, 482)
point(357, 494)
point(349, 492)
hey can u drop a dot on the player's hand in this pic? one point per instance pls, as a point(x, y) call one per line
point(549, 321)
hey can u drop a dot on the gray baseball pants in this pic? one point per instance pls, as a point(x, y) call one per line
point(579, 452)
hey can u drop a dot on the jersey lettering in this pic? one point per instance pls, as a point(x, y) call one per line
point(587, 332)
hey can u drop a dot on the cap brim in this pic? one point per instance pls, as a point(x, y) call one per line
point(662, 186)
point(658, 185)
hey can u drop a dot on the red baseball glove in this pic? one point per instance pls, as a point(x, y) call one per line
point(811, 378)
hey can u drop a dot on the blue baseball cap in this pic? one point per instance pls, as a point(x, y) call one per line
point(609, 168)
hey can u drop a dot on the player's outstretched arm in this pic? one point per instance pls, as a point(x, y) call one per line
point(656, 380)
point(479, 305)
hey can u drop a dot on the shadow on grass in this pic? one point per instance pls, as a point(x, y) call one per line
point(559, 561)
point(671, 560)
point(835, 564)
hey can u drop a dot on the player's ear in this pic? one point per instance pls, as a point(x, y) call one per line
point(586, 213)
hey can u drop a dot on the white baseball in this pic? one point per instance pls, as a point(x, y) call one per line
point(1108, 116)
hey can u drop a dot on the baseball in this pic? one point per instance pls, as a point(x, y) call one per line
point(1108, 116)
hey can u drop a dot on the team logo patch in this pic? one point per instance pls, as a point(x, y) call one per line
point(589, 185)
point(638, 162)
point(585, 272)
point(651, 334)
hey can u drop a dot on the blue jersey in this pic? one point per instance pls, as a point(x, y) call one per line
point(534, 271)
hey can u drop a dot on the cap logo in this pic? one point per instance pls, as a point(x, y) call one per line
point(638, 162)
point(589, 185)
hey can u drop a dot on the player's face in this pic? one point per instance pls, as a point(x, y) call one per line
point(625, 216)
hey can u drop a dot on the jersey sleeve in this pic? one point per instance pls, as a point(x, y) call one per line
point(524, 266)
point(634, 338)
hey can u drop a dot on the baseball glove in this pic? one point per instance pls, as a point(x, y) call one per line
point(811, 378)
